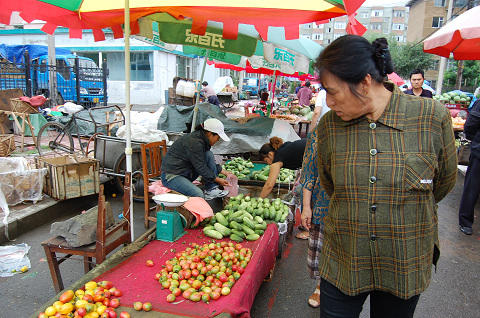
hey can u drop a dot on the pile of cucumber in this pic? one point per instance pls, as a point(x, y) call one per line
point(245, 218)
point(239, 167)
point(285, 175)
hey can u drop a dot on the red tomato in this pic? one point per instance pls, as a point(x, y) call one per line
point(215, 295)
point(124, 314)
point(240, 269)
point(171, 298)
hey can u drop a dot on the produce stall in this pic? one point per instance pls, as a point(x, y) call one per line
point(134, 277)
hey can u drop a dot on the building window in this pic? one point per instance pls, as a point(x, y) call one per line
point(386, 31)
point(307, 26)
point(364, 15)
point(141, 66)
point(186, 68)
point(460, 3)
point(399, 14)
point(399, 38)
point(437, 22)
point(440, 3)
point(329, 30)
point(398, 26)
point(377, 13)
point(318, 26)
point(376, 26)
point(328, 41)
point(340, 25)
point(386, 19)
point(318, 36)
point(435, 65)
point(307, 36)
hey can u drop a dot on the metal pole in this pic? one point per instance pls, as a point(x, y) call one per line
point(52, 61)
point(443, 60)
point(195, 109)
point(128, 145)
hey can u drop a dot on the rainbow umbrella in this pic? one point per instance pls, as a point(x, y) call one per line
point(78, 15)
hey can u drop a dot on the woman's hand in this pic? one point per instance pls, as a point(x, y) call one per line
point(306, 217)
point(222, 182)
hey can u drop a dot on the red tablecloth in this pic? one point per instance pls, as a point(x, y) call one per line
point(137, 282)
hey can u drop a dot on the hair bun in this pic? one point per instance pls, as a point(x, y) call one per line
point(381, 56)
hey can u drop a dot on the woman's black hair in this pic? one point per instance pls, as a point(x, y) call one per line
point(273, 145)
point(352, 57)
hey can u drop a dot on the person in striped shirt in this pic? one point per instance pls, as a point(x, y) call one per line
point(385, 159)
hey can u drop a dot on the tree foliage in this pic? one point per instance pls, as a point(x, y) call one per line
point(471, 74)
point(405, 57)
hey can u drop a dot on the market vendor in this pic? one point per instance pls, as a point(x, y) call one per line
point(190, 157)
point(209, 93)
point(279, 154)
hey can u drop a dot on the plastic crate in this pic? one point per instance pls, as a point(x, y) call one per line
point(70, 176)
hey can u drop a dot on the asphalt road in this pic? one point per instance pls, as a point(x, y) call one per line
point(453, 292)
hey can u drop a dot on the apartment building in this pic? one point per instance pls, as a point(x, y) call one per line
point(426, 17)
point(378, 20)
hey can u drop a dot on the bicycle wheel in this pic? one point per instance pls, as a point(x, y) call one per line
point(137, 175)
point(54, 139)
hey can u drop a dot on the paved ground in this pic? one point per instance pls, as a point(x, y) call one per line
point(453, 291)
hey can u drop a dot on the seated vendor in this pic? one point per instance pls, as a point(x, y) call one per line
point(190, 157)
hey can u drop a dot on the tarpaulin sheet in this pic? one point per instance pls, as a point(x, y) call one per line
point(86, 126)
point(137, 282)
point(175, 118)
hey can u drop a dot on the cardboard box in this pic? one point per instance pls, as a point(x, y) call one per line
point(231, 89)
point(70, 176)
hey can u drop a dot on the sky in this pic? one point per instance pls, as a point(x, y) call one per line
point(385, 3)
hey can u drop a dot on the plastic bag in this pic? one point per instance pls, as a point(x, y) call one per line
point(71, 108)
point(233, 188)
point(13, 258)
point(158, 188)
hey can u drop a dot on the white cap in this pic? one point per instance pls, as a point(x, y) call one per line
point(214, 125)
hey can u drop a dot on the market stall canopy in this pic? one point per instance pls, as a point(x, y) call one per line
point(394, 77)
point(78, 15)
point(278, 53)
point(461, 37)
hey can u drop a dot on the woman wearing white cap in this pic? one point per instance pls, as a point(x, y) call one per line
point(190, 157)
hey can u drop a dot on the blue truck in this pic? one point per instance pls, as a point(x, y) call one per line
point(254, 85)
point(31, 73)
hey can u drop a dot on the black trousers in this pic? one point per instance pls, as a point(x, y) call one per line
point(471, 191)
point(214, 100)
point(335, 304)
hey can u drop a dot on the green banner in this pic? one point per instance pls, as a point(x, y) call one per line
point(213, 55)
point(176, 31)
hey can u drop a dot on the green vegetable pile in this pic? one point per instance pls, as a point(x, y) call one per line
point(245, 218)
point(239, 167)
point(242, 169)
point(285, 175)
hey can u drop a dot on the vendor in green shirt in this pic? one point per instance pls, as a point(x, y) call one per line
point(385, 160)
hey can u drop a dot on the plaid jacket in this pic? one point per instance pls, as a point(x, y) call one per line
point(384, 179)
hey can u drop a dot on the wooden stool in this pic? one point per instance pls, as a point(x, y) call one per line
point(107, 239)
point(21, 127)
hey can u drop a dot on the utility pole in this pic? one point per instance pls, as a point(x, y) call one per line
point(443, 60)
point(52, 74)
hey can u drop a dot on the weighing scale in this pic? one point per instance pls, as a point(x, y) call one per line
point(170, 224)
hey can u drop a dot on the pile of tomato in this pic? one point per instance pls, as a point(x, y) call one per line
point(204, 272)
point(93, 300)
